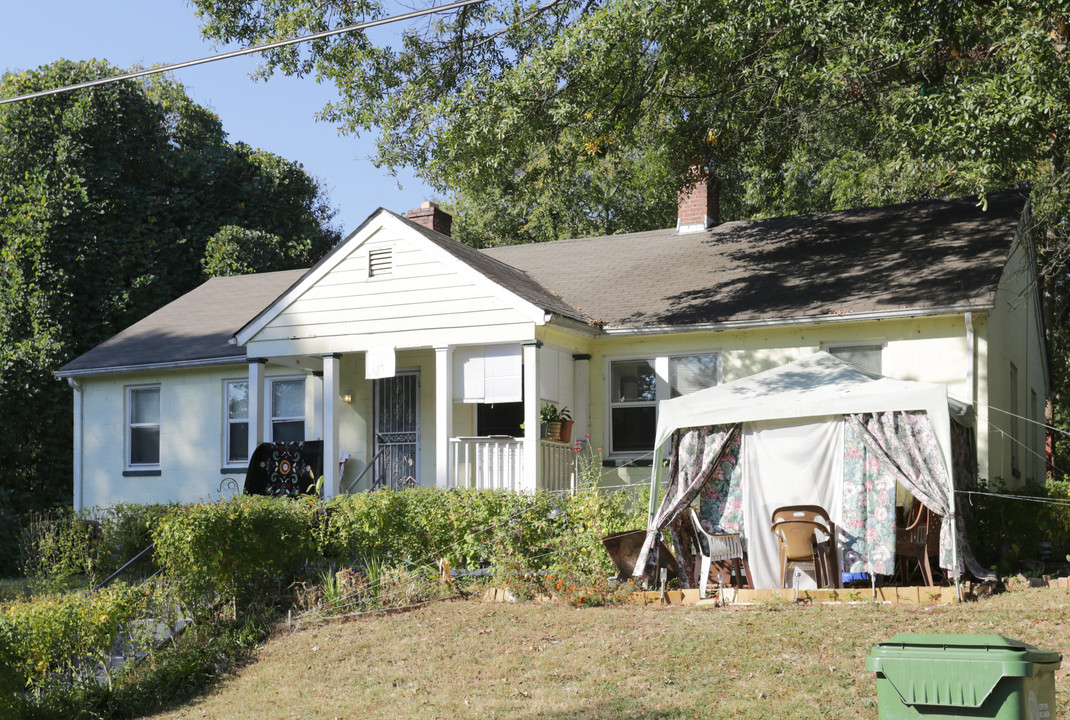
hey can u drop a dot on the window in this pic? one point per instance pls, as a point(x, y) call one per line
point(636, 386)
point(236, 428)
point(288, 410)
point(143, 427)
point(863, 357)
point(1014, 422)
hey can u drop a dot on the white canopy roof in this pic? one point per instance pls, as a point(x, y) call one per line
point(813, 386)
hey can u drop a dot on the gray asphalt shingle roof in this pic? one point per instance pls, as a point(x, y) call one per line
point(940, 253)
point(914, 256)
point(196, 326)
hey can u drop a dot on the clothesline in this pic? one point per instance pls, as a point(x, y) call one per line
point(1015, 415)
point(1027, 498)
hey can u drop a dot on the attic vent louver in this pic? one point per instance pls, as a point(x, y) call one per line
point(380, 262)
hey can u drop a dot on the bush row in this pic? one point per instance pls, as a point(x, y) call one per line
point(59, 545)
point(247, 545)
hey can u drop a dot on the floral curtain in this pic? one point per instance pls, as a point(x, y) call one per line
point(693, 461)
point(721, 500)
point(905, 443)
point(868, 515)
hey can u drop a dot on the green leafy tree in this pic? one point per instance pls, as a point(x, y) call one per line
point(542, 120)
point(108, 198)
point(239, 251)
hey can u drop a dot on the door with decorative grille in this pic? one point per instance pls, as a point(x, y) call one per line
point(397, 432)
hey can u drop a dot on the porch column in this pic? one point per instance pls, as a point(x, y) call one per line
point(532, 456)
point(256, 403)
point(443, 413)
point(581, 384)
point(331, 367)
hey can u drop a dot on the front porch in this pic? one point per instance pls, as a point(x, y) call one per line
point(452, 417)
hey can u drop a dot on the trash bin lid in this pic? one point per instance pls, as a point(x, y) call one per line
point(990, 645)
point(954, 670)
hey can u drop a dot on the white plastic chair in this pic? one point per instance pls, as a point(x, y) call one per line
point(714, 547)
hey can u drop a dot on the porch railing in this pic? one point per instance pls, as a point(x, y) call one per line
point(497, 463)
point(487, 463)
point(560, 466)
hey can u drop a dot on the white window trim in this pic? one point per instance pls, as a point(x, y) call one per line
point(662, 391)
point(269, 417)
point(130, 425)
point(228, 420)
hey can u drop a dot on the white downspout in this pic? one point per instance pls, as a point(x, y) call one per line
point(971, 361)
point(76, 469)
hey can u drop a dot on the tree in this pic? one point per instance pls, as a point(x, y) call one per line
point(514, 107)
point(108, 197)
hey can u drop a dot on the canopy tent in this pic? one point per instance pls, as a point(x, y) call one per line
point(808, 406)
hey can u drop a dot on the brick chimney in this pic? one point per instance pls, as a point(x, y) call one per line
point(431, 216)
point(699, 208)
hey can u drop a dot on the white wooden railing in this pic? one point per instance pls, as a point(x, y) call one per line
point(487, 463)
point(497, 463)
point(560, 466)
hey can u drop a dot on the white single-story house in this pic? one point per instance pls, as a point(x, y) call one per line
point(418, 359)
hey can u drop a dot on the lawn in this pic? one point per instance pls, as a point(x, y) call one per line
point(488, 660)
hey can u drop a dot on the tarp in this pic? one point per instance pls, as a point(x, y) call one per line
point(817, 386)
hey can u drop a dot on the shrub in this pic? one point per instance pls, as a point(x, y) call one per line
point(1005, 533)
point(58, 546)
point(235, 548)
point(64, 639)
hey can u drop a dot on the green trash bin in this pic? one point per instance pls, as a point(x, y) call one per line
point(934, 676)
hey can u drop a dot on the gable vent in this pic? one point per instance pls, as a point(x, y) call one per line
point(380, 262)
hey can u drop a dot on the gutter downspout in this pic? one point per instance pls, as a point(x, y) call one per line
point(971, 361)
point(76, 468)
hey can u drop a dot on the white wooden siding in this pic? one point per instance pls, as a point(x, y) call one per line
point(421, 298)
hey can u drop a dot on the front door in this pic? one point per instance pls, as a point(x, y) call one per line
point(397, 431)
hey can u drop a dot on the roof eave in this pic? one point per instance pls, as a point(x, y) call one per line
point(806, 320)
point(174, 365)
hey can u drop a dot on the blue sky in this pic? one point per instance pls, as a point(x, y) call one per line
point(277, 115)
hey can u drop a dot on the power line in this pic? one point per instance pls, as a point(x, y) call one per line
point(245, 51)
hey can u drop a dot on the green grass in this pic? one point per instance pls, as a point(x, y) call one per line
point(484, 660)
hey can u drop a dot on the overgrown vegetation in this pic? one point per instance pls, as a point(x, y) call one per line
point(1006, 534)
point(238, 565)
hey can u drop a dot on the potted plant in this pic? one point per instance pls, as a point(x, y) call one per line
point(552, 417)
point(566, 424)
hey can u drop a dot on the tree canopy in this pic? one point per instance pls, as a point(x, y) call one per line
point(544, 120)
point(108, 198)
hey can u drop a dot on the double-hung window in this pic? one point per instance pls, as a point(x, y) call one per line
point(236, 428)
point(636, 386)
point(864, 357)
point(143, 427)
point(287, 409)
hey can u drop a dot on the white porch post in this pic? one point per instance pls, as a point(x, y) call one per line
point(581, 374)
point(443, 413)
point(331, 367)
point(256, 403)
point(532, 456)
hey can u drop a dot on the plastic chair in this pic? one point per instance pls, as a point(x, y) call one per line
point(799, 530)
point(719, 547)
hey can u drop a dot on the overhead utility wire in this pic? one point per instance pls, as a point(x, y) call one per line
point(245, 51)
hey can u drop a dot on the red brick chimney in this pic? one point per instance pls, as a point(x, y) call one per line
point(699, 208)
point(431, 216)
